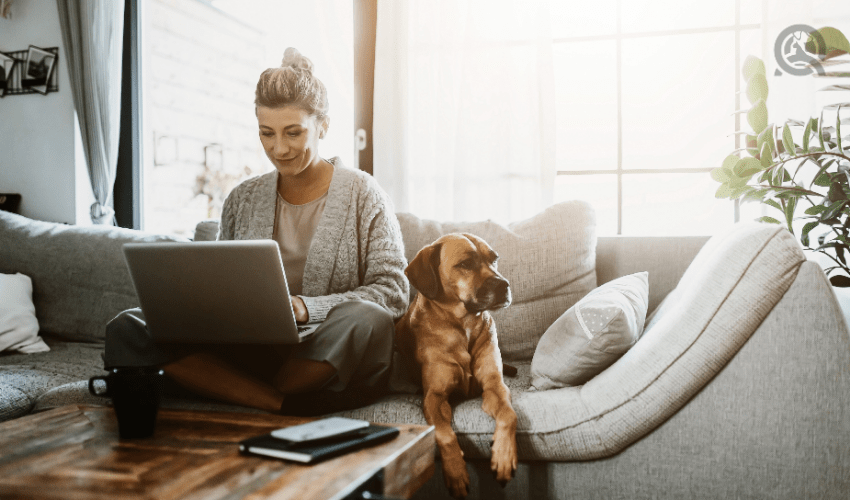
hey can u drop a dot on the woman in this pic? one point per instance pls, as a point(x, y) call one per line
point(343, 257)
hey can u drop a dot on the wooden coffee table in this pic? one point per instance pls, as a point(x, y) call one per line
point(73, 452)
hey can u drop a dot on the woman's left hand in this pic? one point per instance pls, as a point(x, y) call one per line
point(301, 314)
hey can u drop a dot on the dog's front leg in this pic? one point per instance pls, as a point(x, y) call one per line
point(497, 403)
point(438, 412)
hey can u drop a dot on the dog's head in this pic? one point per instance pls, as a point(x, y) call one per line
point(460, 268)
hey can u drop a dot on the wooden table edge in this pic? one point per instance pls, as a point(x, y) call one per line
point(411, 460)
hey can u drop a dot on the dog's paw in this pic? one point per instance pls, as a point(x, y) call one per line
point(503, 461)
point(457, 477)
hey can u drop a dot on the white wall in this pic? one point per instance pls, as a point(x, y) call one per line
point(39, 154)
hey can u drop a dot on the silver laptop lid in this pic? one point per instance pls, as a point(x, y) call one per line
point(214, 292)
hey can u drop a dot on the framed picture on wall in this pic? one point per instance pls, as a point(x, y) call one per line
point(38, 69)
point(7, 66)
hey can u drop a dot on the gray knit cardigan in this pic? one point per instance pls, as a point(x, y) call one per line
point(357, 250)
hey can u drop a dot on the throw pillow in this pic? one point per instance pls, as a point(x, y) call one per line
point(592, 334)
point(18, 324)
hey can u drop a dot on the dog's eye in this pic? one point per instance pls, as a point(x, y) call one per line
point(466, 264)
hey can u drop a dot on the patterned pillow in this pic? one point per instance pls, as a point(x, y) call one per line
point(592, 334)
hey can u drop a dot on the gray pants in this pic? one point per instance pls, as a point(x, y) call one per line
point(356, 339)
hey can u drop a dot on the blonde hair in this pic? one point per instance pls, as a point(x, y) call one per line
point(293, 83)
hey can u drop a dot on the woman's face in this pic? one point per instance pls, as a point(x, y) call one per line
point(290, 137)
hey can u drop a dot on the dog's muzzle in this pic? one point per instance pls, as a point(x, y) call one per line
point(495, 293)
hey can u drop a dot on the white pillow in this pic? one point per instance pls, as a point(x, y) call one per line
point(592, 334)
point(18, 324)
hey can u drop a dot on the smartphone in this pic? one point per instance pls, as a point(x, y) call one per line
point(319, 429)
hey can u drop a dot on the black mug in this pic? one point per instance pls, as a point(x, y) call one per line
point(135, 393)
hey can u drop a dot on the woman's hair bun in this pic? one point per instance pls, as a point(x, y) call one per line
point(293, 58)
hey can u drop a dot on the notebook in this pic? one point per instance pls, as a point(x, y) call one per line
point(316, 451)
point(214, 292)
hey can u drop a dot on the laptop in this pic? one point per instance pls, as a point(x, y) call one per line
point(214, 292)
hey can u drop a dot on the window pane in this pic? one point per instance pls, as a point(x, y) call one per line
point(678, 99)
point(653, 15)
point(751, 11)
point(203, 60)
point(600, 190)
point(673, 205)
point(592, 19)
point(586, 105)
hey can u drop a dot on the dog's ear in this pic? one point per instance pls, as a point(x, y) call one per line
point(424, 272)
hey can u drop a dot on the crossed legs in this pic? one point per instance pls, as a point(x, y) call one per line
point(209, 375)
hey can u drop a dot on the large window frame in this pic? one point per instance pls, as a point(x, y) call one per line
point(127, 190)
point(618, 37)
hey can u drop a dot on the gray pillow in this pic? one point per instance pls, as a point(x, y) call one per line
point(592, 334)
point(79, 277)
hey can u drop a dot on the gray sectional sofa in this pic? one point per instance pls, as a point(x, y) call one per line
point(739, 386)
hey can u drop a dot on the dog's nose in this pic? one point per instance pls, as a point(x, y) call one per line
point(496, 287)
point(500, 286)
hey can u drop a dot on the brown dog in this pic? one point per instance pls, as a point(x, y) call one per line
point(449, 334)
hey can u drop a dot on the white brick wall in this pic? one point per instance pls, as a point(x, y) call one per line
point(201, 70)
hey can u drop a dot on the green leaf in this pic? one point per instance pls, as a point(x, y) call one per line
point(724, 191)
point(774, 204)
point(765, 158)
point(766, 137)
point(720, 175)
point(769, 220)
point(747, 167)
point(757, 116)
point(788, 141)
point(823, 180)
point(806, 133)
point(804, 237)
point(832, 211)
point(757, 88)
point(739, 191)
point(752, 66)
point(838, 131)
point(815, 209)
point(789, 213)
point(832, 39)
point(753, 195)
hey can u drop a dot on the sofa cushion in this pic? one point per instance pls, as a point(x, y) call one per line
point(728, 290)
point(549, 259)
point(79, 277)
point(18, 324)
point(592, 334)
point(26, 377)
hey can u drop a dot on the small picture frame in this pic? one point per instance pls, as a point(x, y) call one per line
point(7, 66)
point(38, 69)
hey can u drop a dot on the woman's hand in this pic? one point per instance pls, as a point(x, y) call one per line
point(301, 314)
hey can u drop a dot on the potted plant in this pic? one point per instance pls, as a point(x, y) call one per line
point(808, 174)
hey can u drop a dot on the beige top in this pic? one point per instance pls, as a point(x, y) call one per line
point(294, 227)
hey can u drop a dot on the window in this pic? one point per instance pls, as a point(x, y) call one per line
point(646, 94)
point(202, 60)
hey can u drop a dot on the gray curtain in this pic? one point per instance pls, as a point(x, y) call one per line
point(93, 34)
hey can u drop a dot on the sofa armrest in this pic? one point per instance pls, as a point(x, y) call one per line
point(665, 258)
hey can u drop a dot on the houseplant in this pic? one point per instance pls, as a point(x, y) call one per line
point(800, 165)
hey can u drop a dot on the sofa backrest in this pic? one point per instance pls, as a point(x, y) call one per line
point(80, 280)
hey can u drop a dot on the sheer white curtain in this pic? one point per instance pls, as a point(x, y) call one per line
point(464, 108)
point(93, 35)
